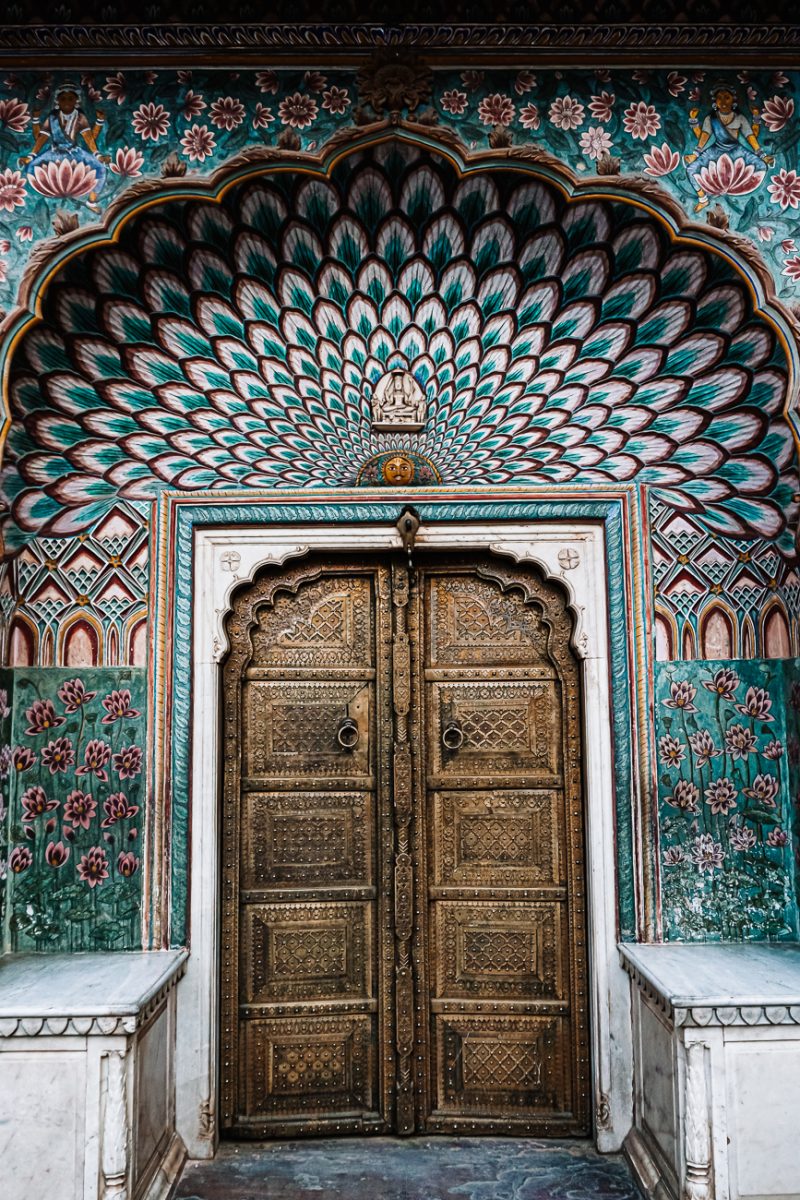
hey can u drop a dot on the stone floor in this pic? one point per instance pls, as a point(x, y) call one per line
point(409, 1169)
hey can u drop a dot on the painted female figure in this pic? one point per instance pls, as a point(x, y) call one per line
point(64, 162)
point(729, 160)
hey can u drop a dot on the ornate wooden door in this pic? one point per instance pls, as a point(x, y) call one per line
point(403, 928)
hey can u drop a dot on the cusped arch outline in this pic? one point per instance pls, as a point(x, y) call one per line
point(565, 331)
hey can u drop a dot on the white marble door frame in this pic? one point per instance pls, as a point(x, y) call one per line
point(574, 554)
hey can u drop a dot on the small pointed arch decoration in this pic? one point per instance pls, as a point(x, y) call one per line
point(666, 635)
point(80, 642)
point(270, 304)
point(776, 640)
point(688, 642)
point(23, 642)
point(748, 638)
point(718, 631)
point(135, 641)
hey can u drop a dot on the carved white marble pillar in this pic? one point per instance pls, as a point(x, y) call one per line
point(115, 1130)
point(697, 1131)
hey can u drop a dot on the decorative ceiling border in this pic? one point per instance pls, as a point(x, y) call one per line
point(620, 41)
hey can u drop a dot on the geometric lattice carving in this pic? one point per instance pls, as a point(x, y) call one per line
point(495, 839)
point(300, 842)
point(497, 951)
point(300, 1068)
point(326, 624)
point(498, 727)
point(310, 952)
point(493, 1066)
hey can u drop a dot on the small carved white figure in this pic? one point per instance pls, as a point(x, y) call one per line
point(398, 402)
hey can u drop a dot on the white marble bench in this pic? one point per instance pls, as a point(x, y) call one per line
point(87, 1080)
point(716, 1032)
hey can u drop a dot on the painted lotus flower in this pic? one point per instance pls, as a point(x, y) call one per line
point(95, 757)
point(496, 109)
point(128, 762)
point(21, 858)
point(706, 853)
point(757, 704)
point(117, 808)
point(267, 81)
point(776, 112)
point(14, 115)
point(662, 160)
point(720, 796)
point(56, 854)
point(226, 112)
point(773, 750)
point(791, 268)
point(63, 179)
point(529, 117)
point(128, 162)
point(24, 232)
point(12, 190)
point(58, 755)
point(763, 790)
point(198, 143)
point(35, 802)
point(681, 696)
point(23, 758)
point(566, 113)
point(42, 716)
point(453, 102)
point(193, 105)
point(676, 83)
point(336, 100)
point(672, 856)
point(777, 838)
point(118, 705)
point(703, 747)
point(784, 188)
point(684, 796)
point(525, 82)
point(671, 751)
point(151, 121)
point(602, 107)
point(726, 176)
point(595, 142)
point(641, 120)
point(298, 111)
point(93, 867)
point(73, 695)
point(724, 683)
point(127, 864)
point(262, 116)
point(80, 808)
point(742, 837)
point(115, 87)
point(739, 742)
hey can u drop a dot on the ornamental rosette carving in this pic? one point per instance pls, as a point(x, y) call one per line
point(390, 82)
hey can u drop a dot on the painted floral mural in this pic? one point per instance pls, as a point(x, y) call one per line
point(724, 801)
point(6, 778)
point(75, 850)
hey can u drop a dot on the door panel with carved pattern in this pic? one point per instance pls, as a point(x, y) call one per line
point(403, 942)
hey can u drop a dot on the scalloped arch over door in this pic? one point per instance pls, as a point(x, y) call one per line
point(236, 345)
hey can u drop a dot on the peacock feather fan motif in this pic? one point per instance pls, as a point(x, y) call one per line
point(236, 345)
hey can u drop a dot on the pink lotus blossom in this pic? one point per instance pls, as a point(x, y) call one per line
point(497, 109)
point(127, 864)
point(117, 808)
point(739, 742)
point(671, 751)
point(726, 176)
point(662, 160)
point(529, 117)
point(24, 232)
point(12, 190)
point(21, 858)
point(128, 762)
point(672, 856)
point(79, 808)
point(56, 854)
point(566, 113)
point(127, 162)
point(784, 188)
point(601, 106)
point(791, 267)
point(73, 695)
point(765, 234)
point(721, 795)
point(757, 704)
point(151, 121)
point(778, 79)
point(116, 88)
point(788, 246)
point(14, 115)
point(595, 142)
point(336, 100)
point(641, 75)
point(453, 101)
point(58, 755)
point(35, 802)
point(723, 684)
point(773, 750)
point(676, 83)
point(703, 747)
point(63, 179)
point(314, 81)
point(776, 112)
point(267, 81)
point(298, 111)
point(226, 112)
point(525, 82)
point(95, 757)
point(42, 716)
point(742, 838)
point(198, 143)
point(262, 117)
point(23, 758)
point(685, 796)
point(707, 854)
point(763, 790)
point(681, 696)
point(117, 705)
point(192, 106)
point(777, 838)
point(93, 867)
point(472, 80)
point(641, 120)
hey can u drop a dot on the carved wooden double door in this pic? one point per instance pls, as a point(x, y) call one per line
point(403, 915)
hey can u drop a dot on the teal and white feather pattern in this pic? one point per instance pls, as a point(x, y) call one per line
point(237, 345)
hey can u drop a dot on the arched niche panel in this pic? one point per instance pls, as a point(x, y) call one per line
point(717, 633)
point(80, 644)
point(137, 644)
point(665, 636)
point(688, 643)
point(775, 638)
point(22, 643)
